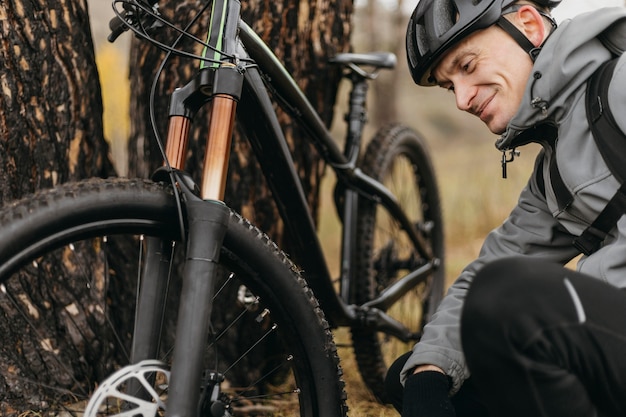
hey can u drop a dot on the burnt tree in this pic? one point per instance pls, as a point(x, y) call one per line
point(50, 132)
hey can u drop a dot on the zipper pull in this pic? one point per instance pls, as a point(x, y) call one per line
point(505, 160)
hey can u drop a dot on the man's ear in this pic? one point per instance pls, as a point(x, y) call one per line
point(531, 23)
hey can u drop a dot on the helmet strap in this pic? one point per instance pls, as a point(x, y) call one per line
point(519, 37)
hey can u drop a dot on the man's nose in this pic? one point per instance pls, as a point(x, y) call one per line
point(463, 95)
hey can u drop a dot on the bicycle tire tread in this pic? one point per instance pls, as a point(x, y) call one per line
point(59, 200)
point(380, 152)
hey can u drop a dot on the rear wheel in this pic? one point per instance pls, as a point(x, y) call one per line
point(70, 264)
point(398, 158)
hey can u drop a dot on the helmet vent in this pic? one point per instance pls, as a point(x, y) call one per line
point(445, 16)
point(411, 54)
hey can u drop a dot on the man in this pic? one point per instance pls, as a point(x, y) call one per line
point(518, 334)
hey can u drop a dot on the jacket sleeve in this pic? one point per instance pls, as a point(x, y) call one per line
point(530, 229)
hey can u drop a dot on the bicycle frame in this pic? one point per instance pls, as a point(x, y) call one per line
point(265, 134)
point(230, 89)
point(262, 128)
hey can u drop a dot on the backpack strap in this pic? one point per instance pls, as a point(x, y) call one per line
point(589, 241)
point(563, 197)
point(611, 143)
point(607, 134)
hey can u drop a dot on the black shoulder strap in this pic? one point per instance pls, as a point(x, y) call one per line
point(609, 138)
point(611, 142)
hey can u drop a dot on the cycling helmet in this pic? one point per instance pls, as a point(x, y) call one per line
point(437, 25)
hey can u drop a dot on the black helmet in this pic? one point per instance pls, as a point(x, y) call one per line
point(437, 25)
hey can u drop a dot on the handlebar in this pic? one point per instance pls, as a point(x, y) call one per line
point(131, 16)
point(117, 26)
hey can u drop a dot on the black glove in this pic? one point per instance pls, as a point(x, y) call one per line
point(426, 395)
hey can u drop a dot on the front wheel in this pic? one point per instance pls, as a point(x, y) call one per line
point(397, 157)
point(70, 265)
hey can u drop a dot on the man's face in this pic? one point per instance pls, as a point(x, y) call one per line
point(488, 72)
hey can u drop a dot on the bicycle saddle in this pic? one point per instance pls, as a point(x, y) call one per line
point(375, 59)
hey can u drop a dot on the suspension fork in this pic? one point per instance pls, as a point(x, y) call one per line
point(207, 218)
point(220, 86)
point(156, 268)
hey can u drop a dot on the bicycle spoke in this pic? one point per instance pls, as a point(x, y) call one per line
point(43, 340)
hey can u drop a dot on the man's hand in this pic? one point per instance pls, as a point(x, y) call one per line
point(426, 394)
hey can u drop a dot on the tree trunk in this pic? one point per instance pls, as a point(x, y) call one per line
point(387, 26)
point(50, 132)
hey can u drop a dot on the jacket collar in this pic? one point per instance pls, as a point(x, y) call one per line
point(568, 58)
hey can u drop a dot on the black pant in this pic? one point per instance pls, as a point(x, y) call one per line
point(541, 340)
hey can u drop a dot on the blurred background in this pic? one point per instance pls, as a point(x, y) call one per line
point(475, 197)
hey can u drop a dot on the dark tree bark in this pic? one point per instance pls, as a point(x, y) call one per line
point(50, 132)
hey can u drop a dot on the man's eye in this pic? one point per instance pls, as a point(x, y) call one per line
point(447, 87)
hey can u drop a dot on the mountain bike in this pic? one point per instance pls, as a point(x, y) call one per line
point(72, 256)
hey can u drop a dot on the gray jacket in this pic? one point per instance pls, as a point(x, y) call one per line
point(555, 95)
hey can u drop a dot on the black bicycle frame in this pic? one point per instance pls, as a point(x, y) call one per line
point(265, 134)
point(258, 118)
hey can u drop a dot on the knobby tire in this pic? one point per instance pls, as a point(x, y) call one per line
point(68, 316)
point(397, 157)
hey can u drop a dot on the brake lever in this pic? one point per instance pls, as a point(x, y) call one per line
point(127, 18)
point(117, 26)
